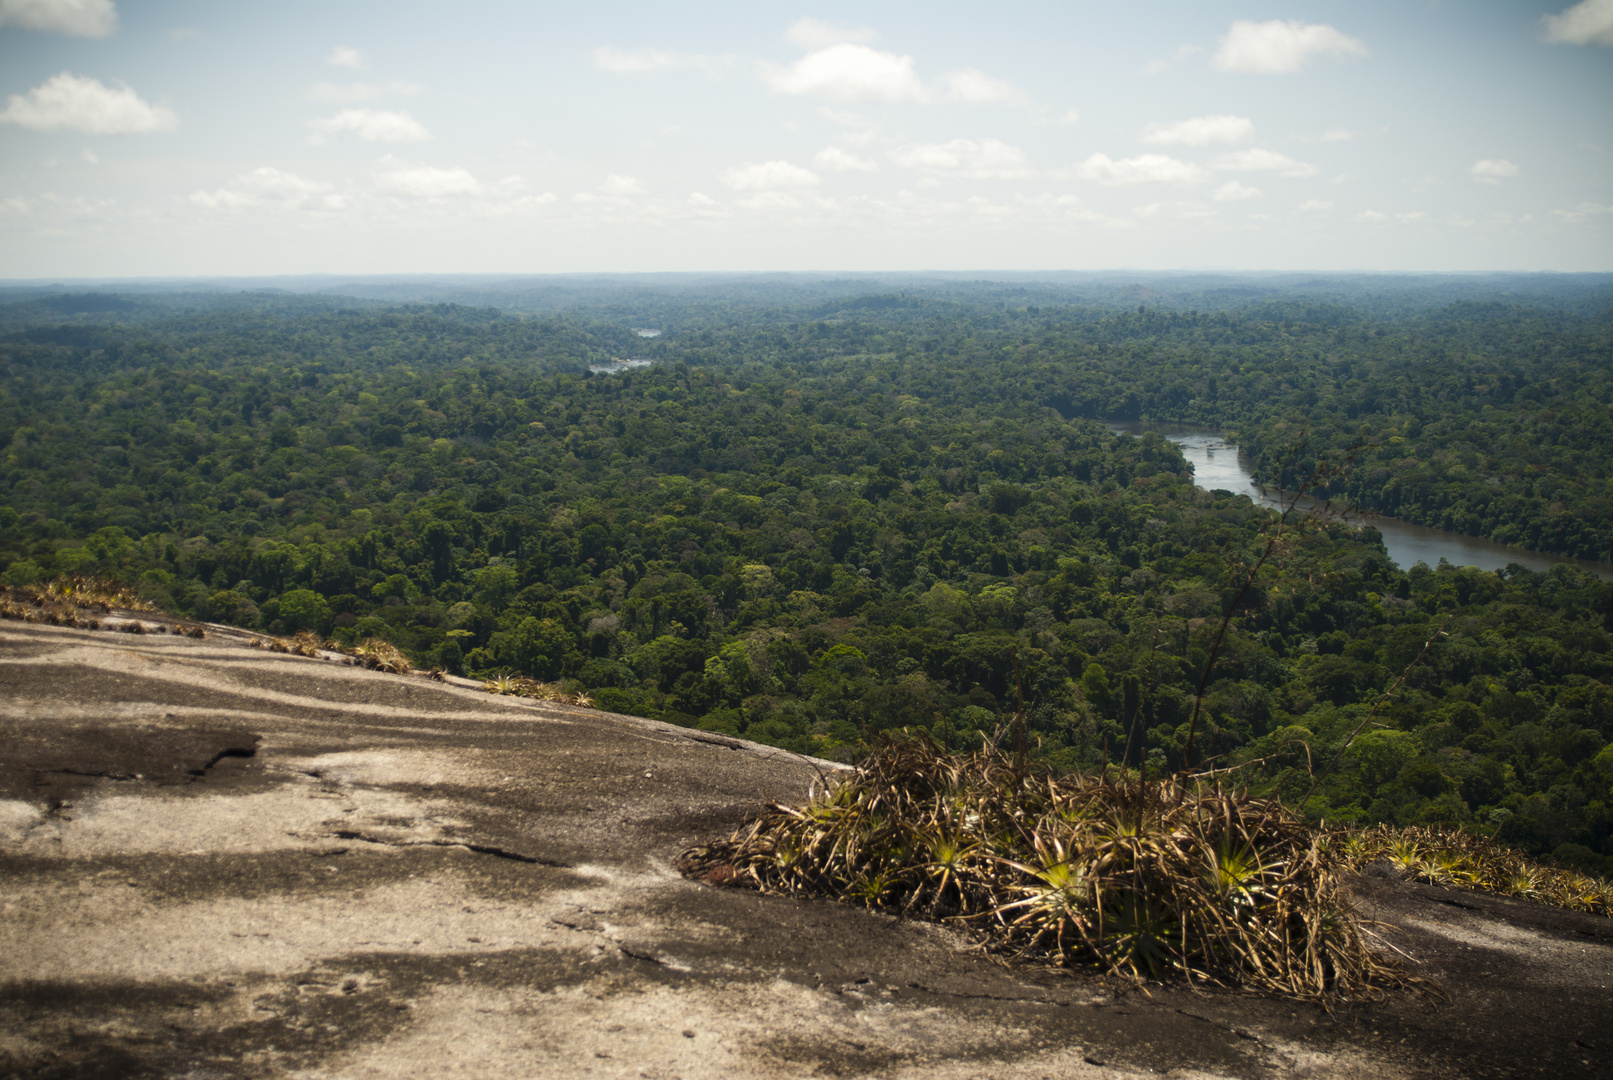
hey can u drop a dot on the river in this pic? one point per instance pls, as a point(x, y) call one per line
point(1217, 465)
point(617, 365)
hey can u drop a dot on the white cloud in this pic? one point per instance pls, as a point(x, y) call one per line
point(1178, 209)
point(1490, 171)
point(976, 87)
point(1073, 116)
point(1372, 215)
point(1263, 161)
point(372, 125)
point(1200, 131)
point(1412, 216)
point(866, 131)
point(50, 206)
point(1154, 67)
point(1315, 204)
point(769, 176)
point(848, 72)
point(1338, 135)
point(816, 34)
point(639, 60)
point(83, 104)
point(768, 200)
point(344, 92)
point(344, 56)
point(643, 61)
point(1279, 47)
point(1587, 23)
point(846, 119)
point(1581, 212)
point(80, 18)
point(269, 187)
point(1232, 191)
point(425, 182)
point(1142, 169)
point(621, 186)
point(1045, 208)
point(984, 160)
point(834, 159)
point(527, 202)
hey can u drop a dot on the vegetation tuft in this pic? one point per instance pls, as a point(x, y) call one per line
point(379, 655)
point(1463, 860)
point(1137, 878)
point(101, 593)
point(79, 601)
point(516, 686)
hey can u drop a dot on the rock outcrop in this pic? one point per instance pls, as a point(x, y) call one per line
point(225, 862)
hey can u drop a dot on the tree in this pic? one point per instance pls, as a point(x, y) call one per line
point(1095, 685)
point(304, 609)
point(22, 572)
point(540, 647)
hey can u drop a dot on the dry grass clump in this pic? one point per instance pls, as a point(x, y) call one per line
point(303, 643)
point(94, 592)
point(372, 653)
point(378, 655)
point(70, 601)
point(78, 601)
point(20, 605)
point(1138, 879)
point(509, 684)
point(1462, 860)
point(519, 686)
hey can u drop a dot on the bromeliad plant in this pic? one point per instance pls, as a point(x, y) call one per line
point(380, 655)
point(519, 686)
point(1136, 878)
point(78, 601)
point(1463, 860)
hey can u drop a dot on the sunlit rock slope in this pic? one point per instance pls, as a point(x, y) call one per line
point(223, 862)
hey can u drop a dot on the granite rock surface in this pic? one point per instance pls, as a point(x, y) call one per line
point(223, 862)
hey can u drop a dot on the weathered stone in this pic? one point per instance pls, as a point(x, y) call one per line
point(227, 862)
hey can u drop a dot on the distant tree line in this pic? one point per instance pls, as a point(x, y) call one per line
point(806, 531)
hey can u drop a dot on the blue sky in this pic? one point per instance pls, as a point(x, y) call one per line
point(190, 138)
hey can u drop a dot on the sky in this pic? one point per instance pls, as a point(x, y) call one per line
point(357, 137)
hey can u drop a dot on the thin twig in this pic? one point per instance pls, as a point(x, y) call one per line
point(1022, 751)
point(1136, 713)
point(1272, 543)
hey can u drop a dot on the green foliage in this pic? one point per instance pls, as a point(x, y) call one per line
point(304, 609)
point(808, 524)
point(22, 572)
point(540, 647)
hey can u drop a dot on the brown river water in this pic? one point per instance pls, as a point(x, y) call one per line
point(1216, 465)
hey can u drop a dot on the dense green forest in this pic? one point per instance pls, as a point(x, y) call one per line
point(826, 513)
